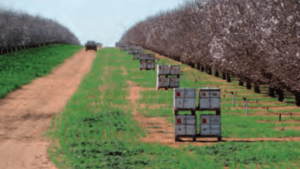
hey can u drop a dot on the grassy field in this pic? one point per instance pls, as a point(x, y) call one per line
point(97, 129)
point(21, 67)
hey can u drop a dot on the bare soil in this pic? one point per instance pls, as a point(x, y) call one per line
point(267, 114)
point(261, 139)
point(268, 107)
point(278, 122)
point(287, 128)
point(124, 71)
point(26, 113)
point(153, 106)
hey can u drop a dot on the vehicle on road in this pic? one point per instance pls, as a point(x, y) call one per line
point(91, 45)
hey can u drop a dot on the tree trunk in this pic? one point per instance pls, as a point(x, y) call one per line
point(297, 99)
point(193, 65)
point(198, 66)
point(202, 68)
point(248, 85)
point(271, 92)
point(228, 78)
point(208, 70)
point(241, 83)
point(216, 73)
point(256, 89)
point(223, 76)
point(280, 95)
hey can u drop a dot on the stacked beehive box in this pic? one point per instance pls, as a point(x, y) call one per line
point(147, 61)
point(135, 55)
point(185, 100)
point(136, 52)
point(124, 48)
point(167, 76)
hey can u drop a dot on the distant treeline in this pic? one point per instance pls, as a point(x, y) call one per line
point(20, 30)
point(257, 41)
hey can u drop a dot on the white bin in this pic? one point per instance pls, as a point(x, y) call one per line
point(143, 56)
point(174, 82)
point(162, 70)
point(162, 82)
point(209, 98)
point(185, 125)
point(210, 125)
point(184, 98)
point(143, 65)
point(150, 65)
point(150, 56)
point(135, 56)
point(174, 69)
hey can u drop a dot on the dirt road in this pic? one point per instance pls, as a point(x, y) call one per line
point(25, 114)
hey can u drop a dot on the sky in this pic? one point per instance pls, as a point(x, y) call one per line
point(98, 20)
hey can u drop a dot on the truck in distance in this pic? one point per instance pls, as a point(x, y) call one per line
point(91, 45)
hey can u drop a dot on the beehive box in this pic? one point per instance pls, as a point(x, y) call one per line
point(150, 56)
point(185, 125)
point(143, 65)
point(174, 69)
point(162, 69)
point(150, 65)
point(174, 82)
point(210, 125)
point(136, 56)
point(162, 82)
point(184, 98)
point(209, 98)
point(143, 56)
point(135, 52)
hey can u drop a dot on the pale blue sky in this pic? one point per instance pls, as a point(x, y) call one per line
point(99, 20)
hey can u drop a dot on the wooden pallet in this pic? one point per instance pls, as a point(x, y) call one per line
point(166, 88)
point(147, 69)
point(178, 76)
point(177, 138)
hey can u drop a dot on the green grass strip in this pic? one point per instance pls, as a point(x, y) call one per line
point(21, 67)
